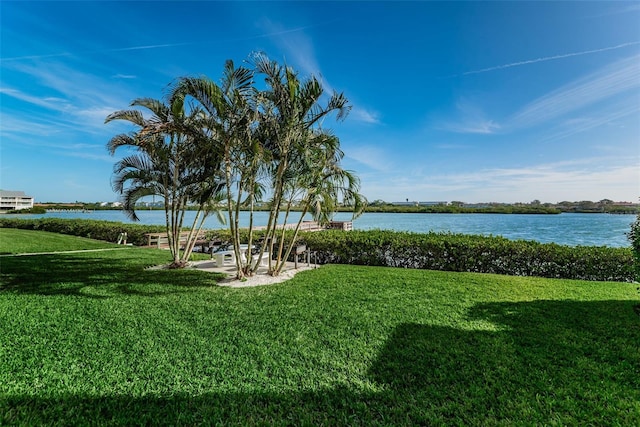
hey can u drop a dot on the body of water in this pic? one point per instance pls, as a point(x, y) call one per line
point(566, 228)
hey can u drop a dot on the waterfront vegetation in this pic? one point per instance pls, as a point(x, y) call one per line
point(536, 206)
point(34, 210)
point(469, 253)
point(435, 251)
point(97, 338)
point(634, 238)
point(223, 146)
point(603, 206)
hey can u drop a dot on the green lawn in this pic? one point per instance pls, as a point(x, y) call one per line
point(94, 338)
point(15, 241)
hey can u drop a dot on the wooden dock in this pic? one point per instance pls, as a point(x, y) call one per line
point(314, 226)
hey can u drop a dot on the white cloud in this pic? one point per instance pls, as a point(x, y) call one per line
point(90, 155)
point(124, 76)
point(362, 115)
point(13, 124)
point(371, 156)
point(448, 146)
point(50, 102)
point(79, 88)
point(605, 116)
point(617, 78)
point(471, 119)
point(299, 51)
point(618, 8)
point(583, 179)
point(297, 47)
point(484, 127)
point(69, 98)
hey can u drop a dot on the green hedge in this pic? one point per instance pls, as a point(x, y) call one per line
point(108, 231)
point(634, 238)
point(459, 252)
point(433, 251)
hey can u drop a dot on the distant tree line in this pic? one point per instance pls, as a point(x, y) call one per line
point(585, 206)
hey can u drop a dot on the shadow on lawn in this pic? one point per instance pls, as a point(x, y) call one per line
point(565, 362)
point(116, 273)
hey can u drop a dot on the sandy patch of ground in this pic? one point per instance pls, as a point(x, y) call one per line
point(261, 278)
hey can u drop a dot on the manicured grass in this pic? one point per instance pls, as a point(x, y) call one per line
point(15, 241)
point(94, 338)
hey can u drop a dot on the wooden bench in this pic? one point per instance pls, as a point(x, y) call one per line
point(161, 240)
point(300, 250)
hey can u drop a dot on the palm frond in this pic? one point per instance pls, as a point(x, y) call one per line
point(133, 116)
point(121, 140)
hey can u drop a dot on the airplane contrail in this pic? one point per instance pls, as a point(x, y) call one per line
point(550, 58)
point(158, 46)
point(53, 55)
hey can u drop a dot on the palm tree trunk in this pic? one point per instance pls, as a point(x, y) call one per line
point(239, 264)
point(191, 237)
point(295, 237)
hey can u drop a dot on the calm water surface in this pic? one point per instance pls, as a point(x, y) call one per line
point(565, 229)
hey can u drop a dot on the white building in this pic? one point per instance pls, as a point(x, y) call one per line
point(10, 200)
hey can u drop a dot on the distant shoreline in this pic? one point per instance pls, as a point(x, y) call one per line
point(507, 210)
point(379, 206)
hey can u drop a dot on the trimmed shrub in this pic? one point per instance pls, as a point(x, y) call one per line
point(108, 231)
point(480, 254)
point(634, 238)
point(433, 251)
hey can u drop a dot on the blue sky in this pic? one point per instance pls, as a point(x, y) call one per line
point(477, 102)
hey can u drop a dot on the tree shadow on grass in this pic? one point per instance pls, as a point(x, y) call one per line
point(96, 276)
point(547, 361)
point(565, 362)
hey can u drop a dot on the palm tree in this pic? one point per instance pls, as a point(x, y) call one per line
point(229, 124)
point(319, 182)
point(170, 162)
point(269, 141)
point(299, 152)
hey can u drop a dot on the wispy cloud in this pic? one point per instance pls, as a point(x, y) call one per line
point(79, 99)
point(273, 32)
point(619, 77)
point(607, 115)
point(124, 76)
point(484, 127)
point(447, 146)
point(88, 52)
point(574, 180)
point(371, 156)
point(618, 8)
point(551, 58)
point(89, 155)
point(50, 102)
point(297, 47)
point(13, 124)
point(48, 138)
point(470, 119)
point(579, 179)
point(299, 50)
point(362, 115)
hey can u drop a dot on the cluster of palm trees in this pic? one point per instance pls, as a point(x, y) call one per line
point(236, 144)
